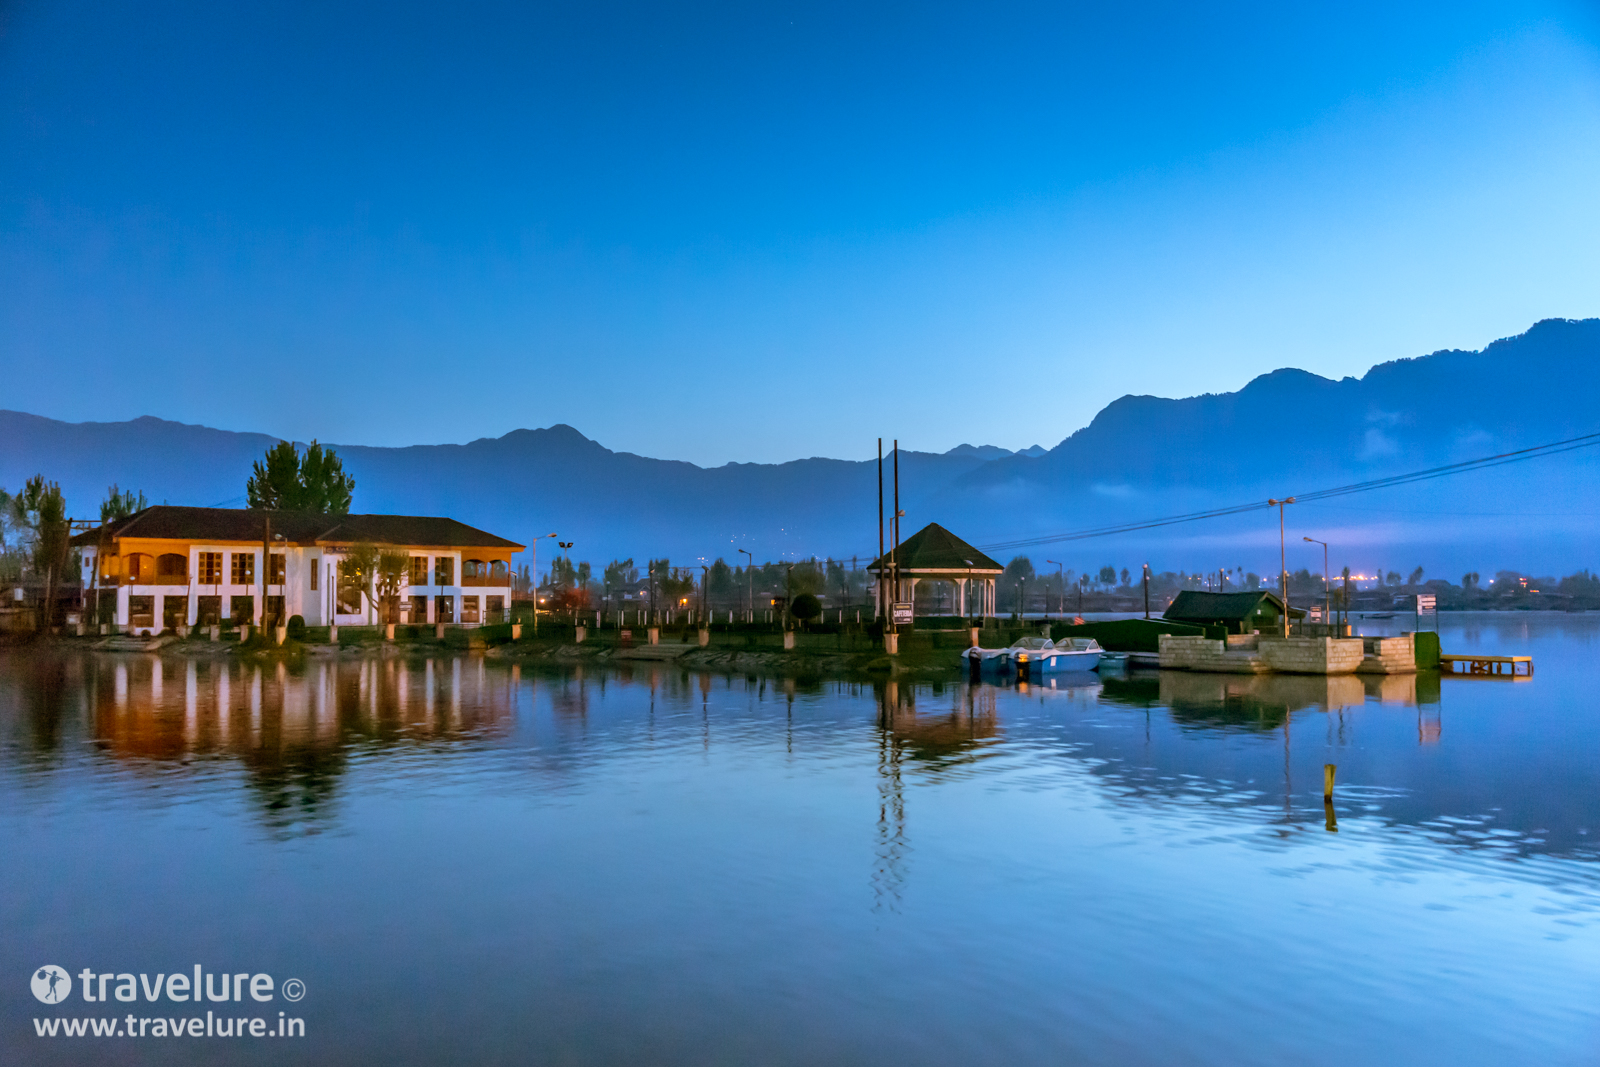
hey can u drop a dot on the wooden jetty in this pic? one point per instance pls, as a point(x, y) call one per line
point(1487, 666)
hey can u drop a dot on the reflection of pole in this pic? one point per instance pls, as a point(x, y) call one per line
point(881, 564)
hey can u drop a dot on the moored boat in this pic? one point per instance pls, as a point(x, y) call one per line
point(1036, 656)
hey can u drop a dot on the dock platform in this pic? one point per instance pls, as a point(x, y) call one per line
point(1487, 666)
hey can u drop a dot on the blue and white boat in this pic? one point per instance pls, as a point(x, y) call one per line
point(1035, 657)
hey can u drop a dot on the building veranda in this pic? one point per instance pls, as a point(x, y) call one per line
point(167, 566)
point(934, 554)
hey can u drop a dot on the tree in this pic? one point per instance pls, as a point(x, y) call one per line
point(805, 607)
point(283, 480)
point(1469, 580)
point(40, 512)
point(1416, 577)
point(119, 504)
point(380, 573)
point(1107, 575)
point(1125, 577)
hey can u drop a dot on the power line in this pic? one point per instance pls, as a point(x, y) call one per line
point(1482, 463)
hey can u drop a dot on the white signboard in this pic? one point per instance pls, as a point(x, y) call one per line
point(902, 614)
point(1427, 604)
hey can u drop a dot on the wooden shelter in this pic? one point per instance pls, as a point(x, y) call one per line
point(934, 554)
point(1248, 612)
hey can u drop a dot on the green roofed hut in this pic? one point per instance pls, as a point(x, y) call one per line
point(934, 554)
point(1241, 613)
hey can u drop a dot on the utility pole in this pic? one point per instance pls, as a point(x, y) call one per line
point(1146, 590)
point(1061, 591)
point(894, 553)
point(750, 578)
point(881, 565)
point(1283, 560)
point(534, 549)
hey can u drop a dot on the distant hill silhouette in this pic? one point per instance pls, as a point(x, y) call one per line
point(1142, 456)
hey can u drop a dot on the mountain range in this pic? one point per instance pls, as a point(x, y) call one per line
point(1141, 457)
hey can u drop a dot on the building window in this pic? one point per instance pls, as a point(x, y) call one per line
point(141, 569)
point(469, 609)
point(209, 609)
point(241, 609)
point(142, 612)
point(419, 610)
point(277, 569)
point(499, 573)
point(419, 570)
point(444, 570)
point(174, 612)
point(444, 609)
point(472, 570)
point(110, 569)
point(244, 568)
point(312, 570)
point(210, 568)
point(494, 610)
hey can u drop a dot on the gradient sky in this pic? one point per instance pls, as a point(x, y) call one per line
point(757, 232)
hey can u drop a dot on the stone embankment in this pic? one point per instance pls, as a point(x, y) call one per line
point(1262, 654)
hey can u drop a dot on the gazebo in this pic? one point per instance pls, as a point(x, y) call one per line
point(934, 554)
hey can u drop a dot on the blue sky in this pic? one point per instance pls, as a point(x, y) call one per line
point(761, 232)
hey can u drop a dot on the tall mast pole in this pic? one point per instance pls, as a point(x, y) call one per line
point(880, 528)
point(894, 557)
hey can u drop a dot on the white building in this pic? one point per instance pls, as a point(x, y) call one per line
point(179, 566)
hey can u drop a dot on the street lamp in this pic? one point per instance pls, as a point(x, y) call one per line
point(1327, 604)
point(1146, 580)
point(534, 551)
point(750, 575)
point(1283, 560)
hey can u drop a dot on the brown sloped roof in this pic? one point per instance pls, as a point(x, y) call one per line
point(933, 548)
point(239, 524)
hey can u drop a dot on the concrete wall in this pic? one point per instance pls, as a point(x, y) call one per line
point(1312, 655)
point(1258, 655)
point(1389, 655)
point(1206, 654)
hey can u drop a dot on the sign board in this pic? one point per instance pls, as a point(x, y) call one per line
point(1427, 604)
point(902, 614)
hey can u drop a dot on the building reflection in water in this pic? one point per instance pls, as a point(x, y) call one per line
point(290, 727)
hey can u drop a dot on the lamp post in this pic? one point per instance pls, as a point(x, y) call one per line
point(1283, 560)
point(534, 551)
point(750, 580)
point(1326, 601)
point(1061, 591)
point(1146, 581)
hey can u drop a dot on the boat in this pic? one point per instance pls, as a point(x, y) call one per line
point(1034, 657)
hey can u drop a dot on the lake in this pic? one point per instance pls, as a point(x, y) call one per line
point(467, 862)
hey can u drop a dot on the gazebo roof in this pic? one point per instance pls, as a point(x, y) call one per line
point(933, 549)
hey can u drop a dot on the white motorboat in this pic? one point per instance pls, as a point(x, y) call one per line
point(1036, 656)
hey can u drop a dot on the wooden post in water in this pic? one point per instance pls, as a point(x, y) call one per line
point(1327, 780)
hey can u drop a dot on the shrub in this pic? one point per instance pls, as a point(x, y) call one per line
point(805, 607)
point(297, 627)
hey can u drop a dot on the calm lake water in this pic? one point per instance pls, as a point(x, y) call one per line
point(467, 863)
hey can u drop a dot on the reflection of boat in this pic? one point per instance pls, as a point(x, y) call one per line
point(1036, 656)
point(1378, 615)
